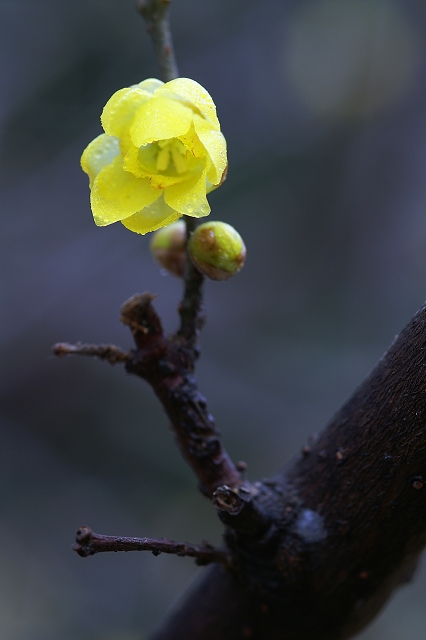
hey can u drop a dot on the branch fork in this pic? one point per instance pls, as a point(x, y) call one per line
point(167, 365)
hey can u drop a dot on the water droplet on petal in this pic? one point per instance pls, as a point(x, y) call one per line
point(189, 208)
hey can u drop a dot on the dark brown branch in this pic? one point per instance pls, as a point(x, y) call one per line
point(108, 352)
point(348, 521)
point(87, 543)
point(165, 364)
point(191, 308)
point(156, 16)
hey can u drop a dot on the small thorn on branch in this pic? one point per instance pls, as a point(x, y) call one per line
point(88, 543)
point(108, 352)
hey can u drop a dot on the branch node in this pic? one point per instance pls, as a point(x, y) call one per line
point(231, 501)
point(139, 314)
point(239, 510)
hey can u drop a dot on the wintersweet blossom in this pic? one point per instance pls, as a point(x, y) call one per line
point(161, 153)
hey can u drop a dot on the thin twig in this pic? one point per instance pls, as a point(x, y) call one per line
point(156, 15)
point(108, 352)
point(191, 308)
point(88, 543)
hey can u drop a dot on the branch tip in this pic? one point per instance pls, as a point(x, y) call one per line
point(88, 543)
point(139, 314)
point(108, 352)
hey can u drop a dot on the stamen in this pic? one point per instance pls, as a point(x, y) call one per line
point(163, 158)
point(179, 160)
point(164, 143)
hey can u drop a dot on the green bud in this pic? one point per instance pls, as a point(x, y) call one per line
point(168, 246)
point(217, 250)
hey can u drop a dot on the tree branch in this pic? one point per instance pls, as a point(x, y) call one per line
point(87, 543)
point(108, 352)
point(191, 308)
point(348, 521)
point(156, 16)
point(165, 364)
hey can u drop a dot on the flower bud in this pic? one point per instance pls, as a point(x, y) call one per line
point(217, 250)
point(168, 247)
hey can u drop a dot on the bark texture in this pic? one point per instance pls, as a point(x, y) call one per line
point(167, 364)
point(344, 523)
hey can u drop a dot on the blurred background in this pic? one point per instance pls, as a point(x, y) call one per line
point(323, 104)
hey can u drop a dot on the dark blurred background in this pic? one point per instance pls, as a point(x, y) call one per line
point(323, 106)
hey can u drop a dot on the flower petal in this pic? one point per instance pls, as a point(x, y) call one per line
point(150, 84)
point(121, 108)
point(160, 119)
point(194, 93)
point(100, 152)
point(215, 145)
point(189, 197)
point(153, 217)
point(117, 194)
point(191, 141)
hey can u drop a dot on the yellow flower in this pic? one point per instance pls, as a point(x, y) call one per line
point(161, 153)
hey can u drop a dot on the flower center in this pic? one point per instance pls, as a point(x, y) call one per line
point(173, 152)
